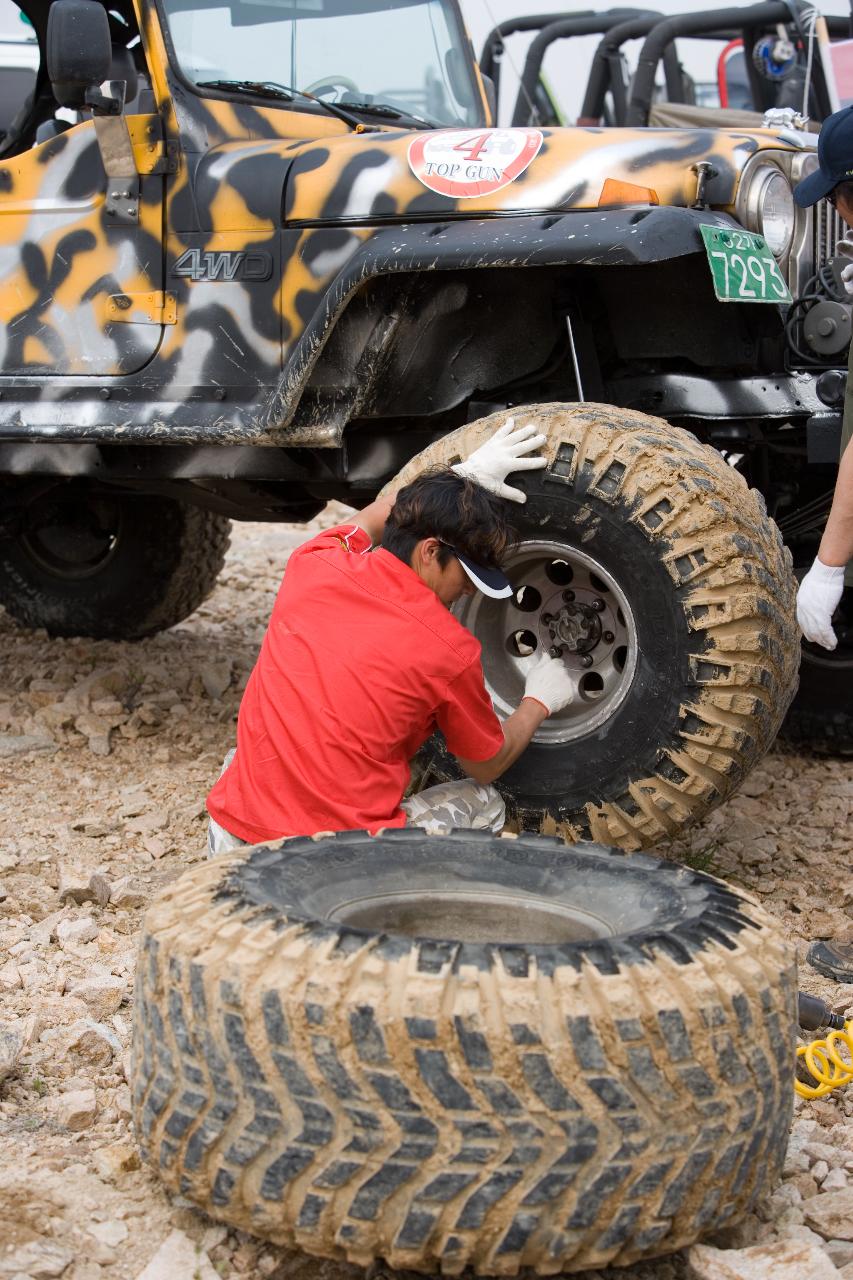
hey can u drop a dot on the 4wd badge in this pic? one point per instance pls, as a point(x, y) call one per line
point(198, 265)
point(465, 164)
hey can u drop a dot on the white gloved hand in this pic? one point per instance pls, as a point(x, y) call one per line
point(817, 600)
point(502, 454)
point(548, 683)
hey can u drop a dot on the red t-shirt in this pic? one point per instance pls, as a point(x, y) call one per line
point(360, 662)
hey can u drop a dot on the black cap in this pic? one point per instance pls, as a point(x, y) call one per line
point(835, 159)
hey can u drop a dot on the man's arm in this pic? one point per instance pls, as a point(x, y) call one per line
point(372, 518)
point(547, 688)
point(836, 545)
point(822, 587)
point(518, 729)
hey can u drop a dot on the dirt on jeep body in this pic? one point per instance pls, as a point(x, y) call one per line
point(108, 750)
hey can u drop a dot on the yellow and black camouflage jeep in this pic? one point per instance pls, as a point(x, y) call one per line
point(257, 254)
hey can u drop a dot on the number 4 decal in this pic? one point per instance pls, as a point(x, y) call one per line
point(463, 165)
point(474, 147)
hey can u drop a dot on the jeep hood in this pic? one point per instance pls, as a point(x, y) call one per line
point(441, 173)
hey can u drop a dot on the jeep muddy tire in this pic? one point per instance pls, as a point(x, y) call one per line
point(311, 1066)
point(108, 564)
point(648, 561)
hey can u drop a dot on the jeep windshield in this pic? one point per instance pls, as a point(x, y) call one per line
point(405, 54)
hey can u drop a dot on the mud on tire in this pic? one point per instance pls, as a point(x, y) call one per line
point(315, 1078)
point(710, 644)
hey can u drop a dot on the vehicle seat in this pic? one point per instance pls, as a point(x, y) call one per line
point(51, 129)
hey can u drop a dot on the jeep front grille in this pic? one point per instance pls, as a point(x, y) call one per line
point(818, 231)
point(827, 230)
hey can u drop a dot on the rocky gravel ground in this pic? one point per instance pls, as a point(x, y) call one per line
point(106, 753)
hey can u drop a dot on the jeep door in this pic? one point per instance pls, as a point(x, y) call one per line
point(81, 256)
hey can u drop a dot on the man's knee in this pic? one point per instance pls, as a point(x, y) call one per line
point(492, 816)
point(218, 839)
point(221, 841)
point(450, 805)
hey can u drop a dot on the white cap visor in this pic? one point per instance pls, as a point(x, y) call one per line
point(490, 581)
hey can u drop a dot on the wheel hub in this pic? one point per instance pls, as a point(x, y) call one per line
point(576, 628)
point(568, 605)
point(70, 532)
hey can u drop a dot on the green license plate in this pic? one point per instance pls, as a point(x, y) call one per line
point(743, 268)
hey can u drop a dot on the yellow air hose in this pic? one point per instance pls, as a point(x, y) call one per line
point(825, 1064)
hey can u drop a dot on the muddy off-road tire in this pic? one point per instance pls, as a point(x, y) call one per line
point(310, 1067)
point(647, 558)
point(108, 564)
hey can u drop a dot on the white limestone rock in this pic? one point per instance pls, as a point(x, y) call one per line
point(40, 1258)
point(178, 1258)
point(102, 995)
point(784, 1260)
point(831, 1214)
point(75, 1110)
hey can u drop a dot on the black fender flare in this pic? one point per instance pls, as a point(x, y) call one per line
point(600, 238)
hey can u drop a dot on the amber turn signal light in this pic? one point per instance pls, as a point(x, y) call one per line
point(614, 193)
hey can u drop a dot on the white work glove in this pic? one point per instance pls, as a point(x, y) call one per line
point(817, 600)
point(844, 249)
point(502, 454)
point(548, 683)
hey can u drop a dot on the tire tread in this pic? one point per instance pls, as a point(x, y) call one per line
point(498, 1118)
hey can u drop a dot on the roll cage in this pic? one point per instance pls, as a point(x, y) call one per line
point(609, 100)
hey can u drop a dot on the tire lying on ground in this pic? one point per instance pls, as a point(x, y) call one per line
point(648, 562)
point(310, 1065)
point(91, 561)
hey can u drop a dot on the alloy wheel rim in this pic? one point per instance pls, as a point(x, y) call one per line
point(564, 601)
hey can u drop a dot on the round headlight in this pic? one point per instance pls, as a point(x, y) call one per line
point(774, 207)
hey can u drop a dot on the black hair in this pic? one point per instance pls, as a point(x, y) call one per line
point(453, 509)
point(843, 189)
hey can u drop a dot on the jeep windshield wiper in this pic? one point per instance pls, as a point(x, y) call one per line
point(391, 113)
point(284, 93)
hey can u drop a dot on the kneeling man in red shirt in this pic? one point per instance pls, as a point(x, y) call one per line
point(363, 660)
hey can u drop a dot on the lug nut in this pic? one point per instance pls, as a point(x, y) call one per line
point(556, 651)
point(597, 605)
point(547, 617)
point(609, 637)
point(586, 659)
point(568, 596)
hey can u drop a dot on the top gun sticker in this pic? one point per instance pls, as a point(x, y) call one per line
point(464, 164)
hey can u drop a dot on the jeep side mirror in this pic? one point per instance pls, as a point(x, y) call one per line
point(79, 50)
